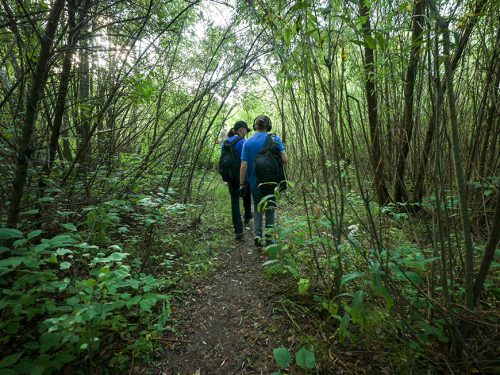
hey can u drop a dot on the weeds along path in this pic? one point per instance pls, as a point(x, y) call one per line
point(230, 324)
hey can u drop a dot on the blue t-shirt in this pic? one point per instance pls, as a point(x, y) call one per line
point(238, 146)
point(250, 150)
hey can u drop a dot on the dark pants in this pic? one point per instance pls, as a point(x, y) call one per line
point(235, 207)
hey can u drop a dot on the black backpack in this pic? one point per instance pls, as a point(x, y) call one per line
point(269, 167)
point(229, 163)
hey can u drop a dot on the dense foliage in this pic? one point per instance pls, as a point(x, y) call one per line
point(109, 114)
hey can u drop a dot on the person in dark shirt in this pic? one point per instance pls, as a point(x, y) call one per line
point(241, 130)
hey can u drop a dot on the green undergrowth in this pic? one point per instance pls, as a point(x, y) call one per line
point(93, 290)
point(375, 307)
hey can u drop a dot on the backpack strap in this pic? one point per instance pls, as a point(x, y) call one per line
point(267, 144)
point(233, 142)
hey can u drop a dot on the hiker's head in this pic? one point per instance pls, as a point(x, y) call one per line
point(241, 128)
point(262, 123)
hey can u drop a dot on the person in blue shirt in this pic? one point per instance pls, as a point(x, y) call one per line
point(241, 130)
point(251, 148)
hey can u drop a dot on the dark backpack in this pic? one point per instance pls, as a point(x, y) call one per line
point(229, 163)
point(269, 167)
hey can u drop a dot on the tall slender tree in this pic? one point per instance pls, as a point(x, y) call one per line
point(371, 98)
point(38, 81)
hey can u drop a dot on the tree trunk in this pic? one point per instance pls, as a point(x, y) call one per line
point(464, 39)
point(65, 78)
point(459, 173)
point(400, 194)
point(37, 87)
point(489, 253)
point(492, 116)
point(371, 97)
point(83, 128)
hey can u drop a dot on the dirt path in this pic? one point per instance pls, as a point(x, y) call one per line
point(229, 326)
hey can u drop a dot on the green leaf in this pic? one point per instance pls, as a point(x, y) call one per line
point(166, 311)
point(34, 234)
point(69, 226)
point(344, 328)
point(380, 290)
point(65, 265)
point(30, 212)
point(262, 206)
point(10, 233)
point(46, 200)
point(10, 360)
point(116, 257)
point(282, 356)
point(292, 269)
point(12, 261)
point(31, 262)
point(415, 278)
point(89, 283)
point(61, 285)
point(331, 307)
point(61, 240)
point(350, 277)
point(148, 302)
point(270, 262)
point(304, 285)
point(357, 309)
point(73, 301)
point(305, 358)
point(134, 301)
point(370, 42)
point(62, 251)
point(149, 221)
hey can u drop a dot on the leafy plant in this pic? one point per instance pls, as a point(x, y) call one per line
point(304, 358)
point(56, 308)
point(282, 356)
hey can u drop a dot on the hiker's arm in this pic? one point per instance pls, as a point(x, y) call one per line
point(243, 171)
point(284, 157)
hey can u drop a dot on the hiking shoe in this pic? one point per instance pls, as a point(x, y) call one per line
point(247, 219)
point(239, 237)
point(258, 242)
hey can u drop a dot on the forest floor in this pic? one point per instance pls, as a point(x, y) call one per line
point(231, 318)
point(229, 323)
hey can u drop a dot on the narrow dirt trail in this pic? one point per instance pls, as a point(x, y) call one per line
point(230, 324)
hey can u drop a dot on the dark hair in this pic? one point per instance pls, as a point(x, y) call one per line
point(230, 133)
point(262, 122)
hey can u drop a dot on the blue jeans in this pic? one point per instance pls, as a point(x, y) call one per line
point(235, 207)
point(268, 212)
